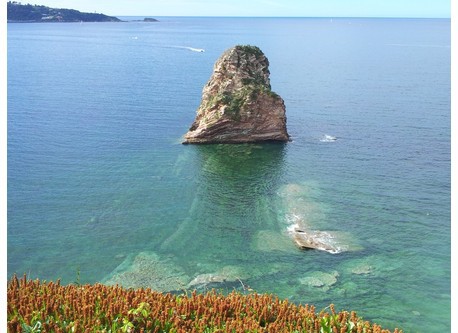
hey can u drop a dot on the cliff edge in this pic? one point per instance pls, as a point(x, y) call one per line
point(238, 104)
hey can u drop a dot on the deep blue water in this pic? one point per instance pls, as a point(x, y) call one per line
point(97, 176)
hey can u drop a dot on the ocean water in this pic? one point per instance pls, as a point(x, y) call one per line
point(100, 188)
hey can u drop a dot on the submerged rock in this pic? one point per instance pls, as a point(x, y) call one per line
point(148, 270)
point(363, 269)
point(238, 104)
point(269, 241)
point(300, 207)
point(367, 266)
point(226, 275)
point(302, 217)
point(321, 280)
point(319, 240)
point(206, 279)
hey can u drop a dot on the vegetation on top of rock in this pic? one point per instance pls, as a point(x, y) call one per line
point(35, 306)
point(17, 12)
point(250, 49)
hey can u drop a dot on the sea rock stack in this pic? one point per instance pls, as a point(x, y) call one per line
point(238, 104)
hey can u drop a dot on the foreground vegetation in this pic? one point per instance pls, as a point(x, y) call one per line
point(35, 306)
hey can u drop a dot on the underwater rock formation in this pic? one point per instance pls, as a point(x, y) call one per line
point(302, 216)
point(149, 270)
point(228, 275)
point(319, 240)
point(321, 280)
point(238, 104)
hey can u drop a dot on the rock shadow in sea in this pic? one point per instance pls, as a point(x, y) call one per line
point(232, 203)
point(213, 245)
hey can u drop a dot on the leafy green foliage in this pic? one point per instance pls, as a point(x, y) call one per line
point(250, 49)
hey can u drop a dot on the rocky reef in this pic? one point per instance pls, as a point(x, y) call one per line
point(238, 104)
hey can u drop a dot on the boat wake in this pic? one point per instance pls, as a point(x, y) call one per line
point(328, 138)
point(193, 49)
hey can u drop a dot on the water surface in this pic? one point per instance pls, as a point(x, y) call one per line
point(98, 178)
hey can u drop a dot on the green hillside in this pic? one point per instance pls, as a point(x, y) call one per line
point(18, 12)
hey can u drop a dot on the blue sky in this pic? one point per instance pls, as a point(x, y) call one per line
point(307, 8)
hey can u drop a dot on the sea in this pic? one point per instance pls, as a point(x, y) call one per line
point(101, 189)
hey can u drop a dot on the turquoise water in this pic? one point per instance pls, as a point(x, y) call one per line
point(101, 189)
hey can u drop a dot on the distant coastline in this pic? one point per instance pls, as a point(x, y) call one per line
point(19, 13)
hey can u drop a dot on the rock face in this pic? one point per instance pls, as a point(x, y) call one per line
point(238, 104)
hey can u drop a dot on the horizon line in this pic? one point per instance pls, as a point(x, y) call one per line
point(318, 17)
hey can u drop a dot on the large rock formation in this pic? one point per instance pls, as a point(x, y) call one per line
point(238, 104)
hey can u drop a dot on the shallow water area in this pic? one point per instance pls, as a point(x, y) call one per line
point(101, 190)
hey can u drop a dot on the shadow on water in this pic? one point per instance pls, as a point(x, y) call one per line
point(231, 202)
point(231, 212)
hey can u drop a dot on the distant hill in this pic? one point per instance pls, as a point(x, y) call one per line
point(18, 12)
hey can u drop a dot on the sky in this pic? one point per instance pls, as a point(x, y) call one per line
point(298, 8)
